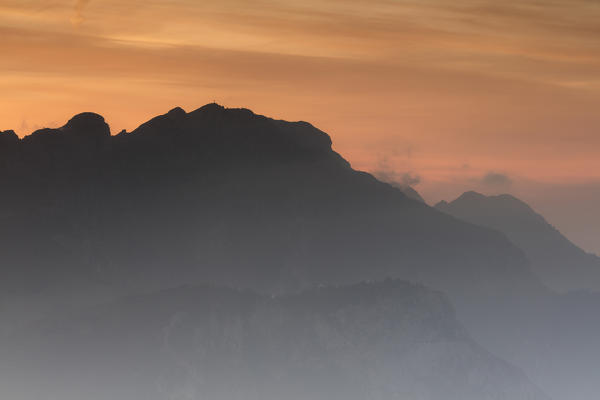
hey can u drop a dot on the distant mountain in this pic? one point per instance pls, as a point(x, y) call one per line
point(557, 261)
point(389, 340)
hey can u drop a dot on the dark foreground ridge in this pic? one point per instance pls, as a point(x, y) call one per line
point(209, 194)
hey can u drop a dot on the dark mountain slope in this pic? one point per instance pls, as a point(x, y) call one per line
point(558, 262)
point(387, 340)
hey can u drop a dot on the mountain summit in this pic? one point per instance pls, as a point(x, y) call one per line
point(90, 124)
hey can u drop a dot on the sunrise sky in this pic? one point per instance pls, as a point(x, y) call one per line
point(496, 96)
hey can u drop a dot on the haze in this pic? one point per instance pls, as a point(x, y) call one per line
point(445, 95)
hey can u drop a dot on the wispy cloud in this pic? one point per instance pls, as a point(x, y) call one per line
point(496, 180)
point(77, 18)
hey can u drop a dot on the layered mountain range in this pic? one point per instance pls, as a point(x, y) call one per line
point(235, 199)
point(225, 196)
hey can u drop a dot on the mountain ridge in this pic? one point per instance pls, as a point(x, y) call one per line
point(177, 144)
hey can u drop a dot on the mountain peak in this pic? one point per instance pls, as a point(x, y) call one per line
point(209, 108)
point(471, 194)
point(83, 131)
point(235, 132)
point(501, 200)
point(177, 112)
point(504, 204)
point(213, 105)
point(87, 123)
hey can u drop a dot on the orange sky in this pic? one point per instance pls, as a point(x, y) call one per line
point(444, 92)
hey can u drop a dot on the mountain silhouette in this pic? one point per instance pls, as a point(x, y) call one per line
point(558, 262)
point(240, 200)
point(367, 341)
point(230, 197)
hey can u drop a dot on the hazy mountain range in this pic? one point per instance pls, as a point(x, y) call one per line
point(234, 199)
point(389, 340)
point(558, 262)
